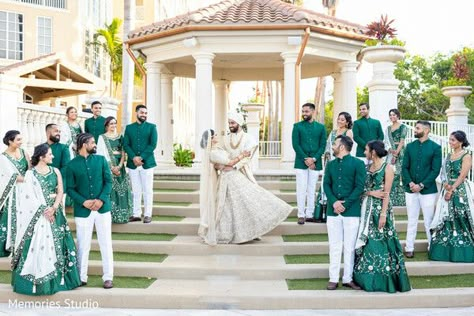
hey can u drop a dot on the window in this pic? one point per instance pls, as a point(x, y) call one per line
point(11, 35)
point(45, 36)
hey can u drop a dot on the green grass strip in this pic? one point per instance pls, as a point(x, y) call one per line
point(167, 218)
point(174, 190)
point(96, 281)
point(324, 258)
point(324, 237)
point(417, 282)
point(132, 257)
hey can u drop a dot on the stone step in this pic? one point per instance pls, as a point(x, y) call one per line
point(193, 196)
point(194, 185)
point(189, 226)
point(246, 268)
point(193, 246)
point(193, 210)
point(231, 293)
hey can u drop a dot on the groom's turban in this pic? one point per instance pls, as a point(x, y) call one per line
point(236, 117)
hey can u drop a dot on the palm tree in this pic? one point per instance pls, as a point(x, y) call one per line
point(109, 40)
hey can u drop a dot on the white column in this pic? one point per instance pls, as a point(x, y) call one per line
point(153, 100)
point(348, 89)
point(457, 112)
point(166, 121)
point(254, 112)
point(337, 96)
point(288, 117)
point(203, 99)
point(127, 64)
point(383, 88)
point(220, 106)
point(11, 95)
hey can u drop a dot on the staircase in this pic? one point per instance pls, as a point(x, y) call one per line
point(249, 276)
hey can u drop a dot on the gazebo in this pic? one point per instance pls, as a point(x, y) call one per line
point(239, 40)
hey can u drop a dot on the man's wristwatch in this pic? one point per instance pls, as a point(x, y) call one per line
point(422, 186)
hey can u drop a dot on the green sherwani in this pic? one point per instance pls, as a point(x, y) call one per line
point(309, 140)
point(95, 126)
point(421, 164)
point(365, 130)
point(61, 159)
point(140, 140)
point(89, 179)
point(344, 180)
point(61, 156)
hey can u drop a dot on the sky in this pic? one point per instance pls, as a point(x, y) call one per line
point(427, 27)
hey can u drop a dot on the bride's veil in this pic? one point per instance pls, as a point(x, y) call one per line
point(207, 192)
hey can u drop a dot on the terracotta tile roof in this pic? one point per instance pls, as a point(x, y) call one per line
point(250, 12)
point(5, 69)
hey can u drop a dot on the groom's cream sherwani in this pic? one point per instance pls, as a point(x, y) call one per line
point(235, 144)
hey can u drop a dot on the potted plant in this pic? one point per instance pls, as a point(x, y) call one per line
point(182, 157)
point(384, 46)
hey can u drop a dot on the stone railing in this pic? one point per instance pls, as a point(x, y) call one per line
point(270, 149)
point(33, 118)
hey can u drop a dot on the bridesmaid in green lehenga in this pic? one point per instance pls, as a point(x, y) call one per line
point(395, 138)
point(13, 166)
point(110, 145)
point(453, 225)
point(379, 263)
point(44, 261)
point(344, 127)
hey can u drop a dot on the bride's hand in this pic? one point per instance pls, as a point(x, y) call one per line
point(246, 153)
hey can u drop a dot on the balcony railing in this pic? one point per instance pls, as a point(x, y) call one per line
point(57, 4)
point(32, 119)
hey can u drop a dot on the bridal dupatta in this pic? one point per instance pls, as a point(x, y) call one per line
point(207, 196)
point(39, 266)
point(8, 175)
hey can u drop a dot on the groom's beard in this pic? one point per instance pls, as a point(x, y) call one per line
point(234, 129)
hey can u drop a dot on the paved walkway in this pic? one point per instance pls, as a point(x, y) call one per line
point(52, 311)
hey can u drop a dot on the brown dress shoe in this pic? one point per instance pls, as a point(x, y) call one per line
point(83, 283)
point(352, 285)
point(332, 286)
point(134, 219)
point(409, 254)
point(108, 284)
point(301, 220)
point(147, 219)
point(310, 220)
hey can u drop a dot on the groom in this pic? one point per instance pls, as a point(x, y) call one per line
point(238, 142)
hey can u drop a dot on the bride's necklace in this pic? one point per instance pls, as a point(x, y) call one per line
point(376, 166)
point(238, 143)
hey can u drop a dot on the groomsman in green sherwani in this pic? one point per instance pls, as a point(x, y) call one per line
point(365, 129)
point(309, 142)
point(420, 168)
point(89, 183)
point(61, 156)
point(344, 180)
point(95, 125)
point(139, 142)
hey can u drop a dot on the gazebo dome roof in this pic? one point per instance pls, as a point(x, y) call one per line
point(249, 14)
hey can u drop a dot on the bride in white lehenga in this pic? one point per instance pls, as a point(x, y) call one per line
point(233, 209)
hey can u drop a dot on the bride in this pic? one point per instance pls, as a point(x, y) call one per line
point(233, 209)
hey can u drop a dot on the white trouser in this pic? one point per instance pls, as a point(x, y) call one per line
point(414, 201)
point(342, 231)
point(142, 183)
point(305, 191)
point(103, 227)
